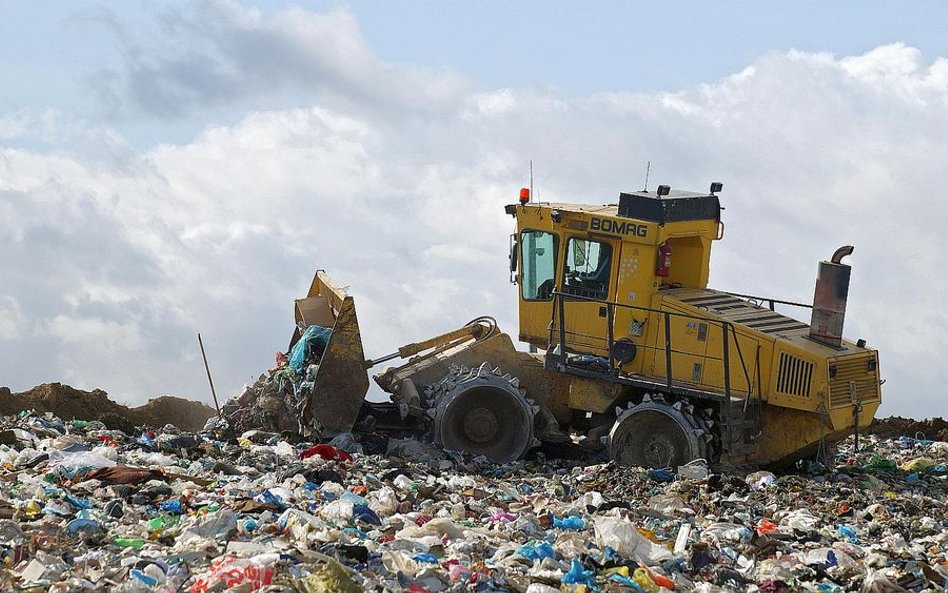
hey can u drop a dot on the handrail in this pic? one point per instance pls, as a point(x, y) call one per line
point(768, 299)
point(728, 330)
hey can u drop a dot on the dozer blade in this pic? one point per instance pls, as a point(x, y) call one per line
point(342, 380)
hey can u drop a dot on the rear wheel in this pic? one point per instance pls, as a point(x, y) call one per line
point(657, 433)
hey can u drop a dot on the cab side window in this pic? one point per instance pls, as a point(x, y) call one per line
point(588, 266)
point(538, 269)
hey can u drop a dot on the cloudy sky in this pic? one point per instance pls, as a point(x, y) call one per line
point(169, 168)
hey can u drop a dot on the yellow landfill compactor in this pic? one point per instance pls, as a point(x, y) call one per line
point(630, 349)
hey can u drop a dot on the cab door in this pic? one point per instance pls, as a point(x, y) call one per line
point(537, 272)
point(588, 272)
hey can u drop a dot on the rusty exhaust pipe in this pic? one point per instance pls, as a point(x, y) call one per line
point(829, 299)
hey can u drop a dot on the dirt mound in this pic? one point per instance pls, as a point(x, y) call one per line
point(62, 400)
point(67, 403)
point(168, 409)
point(935, 429)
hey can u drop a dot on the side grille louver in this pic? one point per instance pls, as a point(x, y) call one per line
point(794, 376)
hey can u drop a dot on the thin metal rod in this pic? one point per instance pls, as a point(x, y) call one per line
point(727, 364)
point(531, 181)
point(209, 380)
point(386, 358)
point(770, 300)
point(563, 357)
point(610, 319)
point(668, 350)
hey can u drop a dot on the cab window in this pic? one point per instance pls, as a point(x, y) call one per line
point(588, 265)
point(538, 269)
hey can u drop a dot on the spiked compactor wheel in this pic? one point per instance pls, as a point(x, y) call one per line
point(657, 433)
point(483, 412)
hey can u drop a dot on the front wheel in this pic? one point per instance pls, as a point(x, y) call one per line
point(482, 411)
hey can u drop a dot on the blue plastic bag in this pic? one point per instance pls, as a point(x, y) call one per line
point(661, 475)
point(849, 533)
point(578, 575)
point(537, 551)
point(572, 522)
point(364, 513)
point(313, 340)
point(173, 506)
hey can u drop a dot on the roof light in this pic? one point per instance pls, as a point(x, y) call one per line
point(663, 190)
point(716, 186)
point(524, 195)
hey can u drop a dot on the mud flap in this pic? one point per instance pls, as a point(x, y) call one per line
point(341, 382)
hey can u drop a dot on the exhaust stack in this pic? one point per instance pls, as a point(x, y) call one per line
point(829, 299)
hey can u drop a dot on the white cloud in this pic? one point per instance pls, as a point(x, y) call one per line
point(394, 180)
point(221, 54)
point(11, 319)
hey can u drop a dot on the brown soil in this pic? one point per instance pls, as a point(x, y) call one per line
point(68, 403)
point(935, 429)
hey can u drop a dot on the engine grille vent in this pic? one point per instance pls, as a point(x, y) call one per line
point(794, 376)
point(859, 371)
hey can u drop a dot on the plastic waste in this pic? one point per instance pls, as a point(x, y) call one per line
point(327, 452)
point(78, 462)
point(620, 535)
point(802, 519)
point(253, 516)
point(311, 344)
point(681, 540)
point(537, 551)
point(694, 470)
point(661, 475)
point(578, 575)
point(919, 464)
point(571, 522)
point(848, 533)
point(644, 580)
point(761, 480)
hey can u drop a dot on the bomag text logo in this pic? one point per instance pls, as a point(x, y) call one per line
point(620, 228)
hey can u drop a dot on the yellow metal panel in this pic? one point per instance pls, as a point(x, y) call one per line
point(592, 396)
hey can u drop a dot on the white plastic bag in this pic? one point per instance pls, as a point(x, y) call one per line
point(620, 535)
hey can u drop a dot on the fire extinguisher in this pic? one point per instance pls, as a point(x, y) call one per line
point(664, 260)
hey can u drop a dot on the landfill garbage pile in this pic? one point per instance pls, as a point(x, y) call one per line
point(273, 401)
point(86, 508)
point(67, 402)
point(270, 404)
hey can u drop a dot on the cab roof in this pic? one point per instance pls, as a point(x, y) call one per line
point(676, 206)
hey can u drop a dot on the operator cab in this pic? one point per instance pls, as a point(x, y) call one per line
point(621, 253)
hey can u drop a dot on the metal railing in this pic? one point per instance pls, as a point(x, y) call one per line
point(560, 346)
point(771, 302)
